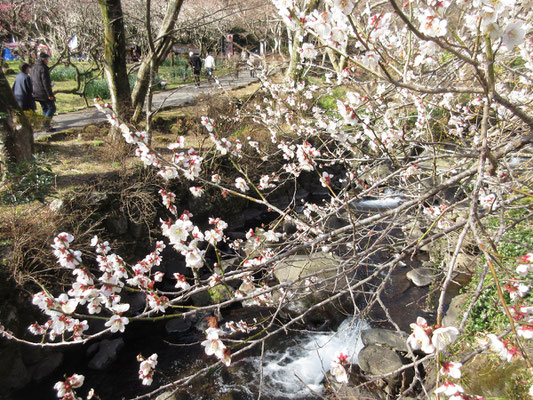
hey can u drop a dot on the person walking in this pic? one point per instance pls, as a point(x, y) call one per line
point(23, 89)
point(210, 66)
point(42, 89)
point(196, 64)
point(251, 65)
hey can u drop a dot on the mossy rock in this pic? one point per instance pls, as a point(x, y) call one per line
point(220, 293)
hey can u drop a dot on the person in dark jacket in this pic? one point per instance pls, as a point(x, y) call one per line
point(196, 64)
point(42, 89)
point(23, 90)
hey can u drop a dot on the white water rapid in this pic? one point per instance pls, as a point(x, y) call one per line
point(302, 364)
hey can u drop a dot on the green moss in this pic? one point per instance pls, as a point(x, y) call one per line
point(220, 293)
point(329, 102)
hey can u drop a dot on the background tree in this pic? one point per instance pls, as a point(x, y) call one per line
point(158, 49)
point(115, 56)
point(16, 134)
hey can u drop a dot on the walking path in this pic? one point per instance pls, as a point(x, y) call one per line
point(166, 99)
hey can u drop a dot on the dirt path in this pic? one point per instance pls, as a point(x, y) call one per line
point(170, 98)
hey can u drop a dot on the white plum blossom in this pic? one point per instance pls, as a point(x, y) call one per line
point(419, 339)
point(337, 367)
point(213, 345)
point(513, 35)
point(338, 371)
point(525, 331)
point(196, 191)
point(271, 236)
point(181, 281)
point(308, 51)
point(117, 323)
point(504, 350)
point(147, 368)
point(452, 369)
point(65, 388)
point(449, 389)
point(432, 25)
point(241, 184)
point(443, 337)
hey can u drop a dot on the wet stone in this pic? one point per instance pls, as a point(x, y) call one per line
point(178, 325)
point(421, 276)
point(377, 360)
point(107, 353)
point(384, 337)
point(46, 366)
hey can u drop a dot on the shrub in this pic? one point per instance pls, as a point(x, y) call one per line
point(29, 181)
point(97, 88)
point(62, 73)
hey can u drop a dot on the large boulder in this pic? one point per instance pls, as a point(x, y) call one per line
point(106, 353)
point(453, 315)
point(294, 267)
point(13, 372)
point(378, 360)
point(310, 291)
point(46, 366)
point(384, 337)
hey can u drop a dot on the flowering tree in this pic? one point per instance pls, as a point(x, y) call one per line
point(424, 148)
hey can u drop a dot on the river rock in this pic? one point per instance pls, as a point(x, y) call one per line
point(357, 391)
point(220, 293)
point(309, 292)
point(117, 224)
point(13, 372)
point(56, 205)
point(97, 198)
point(166, 396)
point(464, 262)
point(334, 222)
point(107, 353)
point(421, 276)
point(384, 337)
point(47, 365)
point(293, 267)
point(453, 314)
point(378, 360)
point(178, 325)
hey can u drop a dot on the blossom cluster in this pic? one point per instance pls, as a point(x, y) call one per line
point(337, 367)
point(213, 345)
point(65, 389)
point(430, 339)
point(147, 368)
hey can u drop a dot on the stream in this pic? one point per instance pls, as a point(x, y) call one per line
point(294, 364)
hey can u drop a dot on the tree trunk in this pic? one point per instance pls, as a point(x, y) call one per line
point(162, 46)
point(115, 57)
point(16, 134)
point(294, 72)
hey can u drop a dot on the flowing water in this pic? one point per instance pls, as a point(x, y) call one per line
point(297, 369)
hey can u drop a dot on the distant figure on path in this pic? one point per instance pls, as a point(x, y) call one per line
point(251, 64)
point(196, 64)
point(236, 65)
point(42, 90)
point(210, 66)
point(23, 89)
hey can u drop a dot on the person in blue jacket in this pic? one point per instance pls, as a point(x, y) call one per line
point(23, 89)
